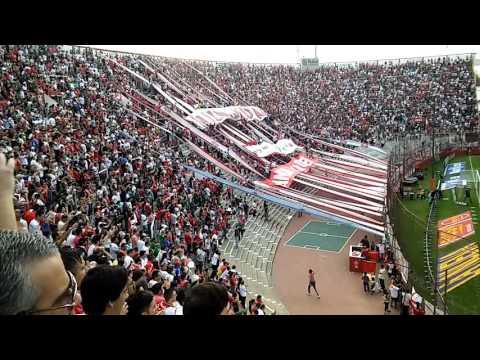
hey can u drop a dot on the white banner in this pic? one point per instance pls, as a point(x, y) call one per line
point(213, 116)
point(283, 146)
point(263, 150)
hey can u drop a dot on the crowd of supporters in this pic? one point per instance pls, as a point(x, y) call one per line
point(136, 231)
point(130, 223)
point(366, 102)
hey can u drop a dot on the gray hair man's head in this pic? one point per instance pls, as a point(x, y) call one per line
point(17, 252)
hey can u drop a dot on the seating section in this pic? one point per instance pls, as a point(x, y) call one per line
point(255, 253)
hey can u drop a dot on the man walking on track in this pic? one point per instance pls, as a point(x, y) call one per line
point(311, 282)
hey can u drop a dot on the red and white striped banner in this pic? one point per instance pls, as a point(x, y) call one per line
point(283, 175)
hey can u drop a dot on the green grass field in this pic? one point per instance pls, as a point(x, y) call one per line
point(411, 231)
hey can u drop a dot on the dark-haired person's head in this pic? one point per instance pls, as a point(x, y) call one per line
point(104, 290)
point(156, 275)
point(74, 262)
point(170, 295)
point(96, 239)
point(99, 257)
point(141, 303)
point(207, 299)
point(181, 295)
point(33, 279)
point(137, 274)
point(156, 289)
point(252, 307)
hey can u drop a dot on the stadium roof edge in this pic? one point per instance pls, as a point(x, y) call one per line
point(329, 63)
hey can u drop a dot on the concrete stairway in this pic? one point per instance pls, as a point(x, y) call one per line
point(255, 253)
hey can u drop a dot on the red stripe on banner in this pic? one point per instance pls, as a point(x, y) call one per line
point(375, 190)
point(380, 195)
point(170, 84)
point(298, 198)
point(212, 142)
point(241, 133)
point(258, 133)
point(368, 220)
point(216, 162)
point(357, 167)
point(378, 211)
point(242, 147)
point(366, 179)
point(283, 175)
point(237, 133)
point(338, 147)
point(343, 195)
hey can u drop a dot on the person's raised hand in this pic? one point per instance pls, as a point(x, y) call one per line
point(7, 181)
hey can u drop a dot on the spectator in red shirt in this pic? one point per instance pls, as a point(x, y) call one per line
point(157, 291)
point(29, 215)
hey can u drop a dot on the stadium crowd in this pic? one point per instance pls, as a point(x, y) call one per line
point(370, 102)
point(103, 199)
point(110, 197)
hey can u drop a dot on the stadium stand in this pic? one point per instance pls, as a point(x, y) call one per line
point(101, 142)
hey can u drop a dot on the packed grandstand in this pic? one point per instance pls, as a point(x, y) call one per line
point(138, 181)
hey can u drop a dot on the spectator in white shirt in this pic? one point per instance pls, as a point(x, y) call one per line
point(141, 246)
point(242, 289)
point(22, 224)
point(381, 250)
point(406, 302)
point(156, 278)
point(128, 260)
point(214, 261)
point(394, 294)
point(382, 276)
point(71, 238)
point(34, 226)
point(175, 307)
point(62, 223)
point(92, 247)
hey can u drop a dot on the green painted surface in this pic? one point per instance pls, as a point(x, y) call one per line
point(324, 236)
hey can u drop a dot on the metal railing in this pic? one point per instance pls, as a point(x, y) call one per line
point(395, 61)
point(428, 244)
